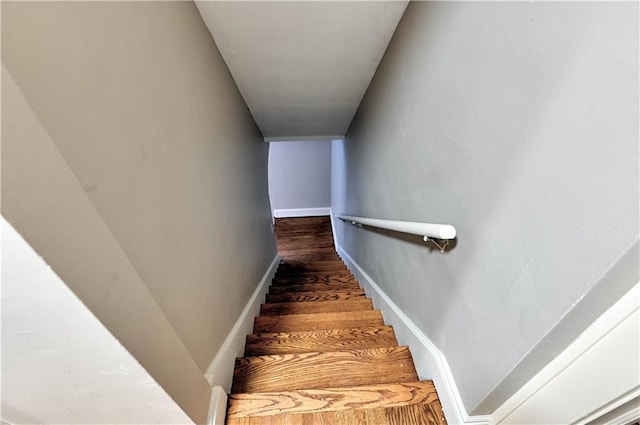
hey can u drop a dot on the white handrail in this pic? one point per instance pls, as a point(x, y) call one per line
point(427, 230)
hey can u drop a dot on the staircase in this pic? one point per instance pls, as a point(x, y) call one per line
point(319, 352)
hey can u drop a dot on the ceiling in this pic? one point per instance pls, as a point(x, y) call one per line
point(302, 67)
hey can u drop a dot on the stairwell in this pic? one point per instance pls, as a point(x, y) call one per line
point(319, 352)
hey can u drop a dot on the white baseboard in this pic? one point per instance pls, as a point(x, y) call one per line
point(217, 406)
point(429, 361)
point(333, 229)
point(301, 212)
point(317, 138)
point(220, 371)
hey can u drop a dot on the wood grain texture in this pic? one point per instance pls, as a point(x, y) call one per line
point(285, 372)
point(297, 279)
point(272, 309)
point(320, 354)
point(331, 399)
point(328, 268)
point(415, 414)
point(311, 263)
point(312, 257)
point(293, 275)
point(317, 321)
point(320, 340)
point(303, 250)
point(312, 287)
point(333, 295)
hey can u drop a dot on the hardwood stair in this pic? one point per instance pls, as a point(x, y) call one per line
point(320, 340)
point(319, 352)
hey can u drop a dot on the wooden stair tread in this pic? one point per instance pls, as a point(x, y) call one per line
point(320, 340)
point(309, 262)
point(317, 321)
point(413, 414)
point(313, 278)
point(318, 286)
point(316, 269)
point(331, 399)
point(304, 251)
point(285, 372)
point(271, 309)
point(311, 257)
point(334, 295)
point(340, 272)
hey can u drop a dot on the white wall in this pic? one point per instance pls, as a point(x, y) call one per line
point(132, 165)
point(60, 365)
point(517, 123)
point(616, 398)
point(299, 175)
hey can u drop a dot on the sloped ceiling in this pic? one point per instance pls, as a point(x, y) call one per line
point(302, 66)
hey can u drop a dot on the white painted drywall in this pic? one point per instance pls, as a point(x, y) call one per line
point(43, 199)
point(299, 175)
point(570, 377)
point(302, 67)
point(132, 165)
point(60, 365)
point(517, 123)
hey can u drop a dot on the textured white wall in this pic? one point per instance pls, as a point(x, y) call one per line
point(60, 365)
point(299, 175)
point(517, 123)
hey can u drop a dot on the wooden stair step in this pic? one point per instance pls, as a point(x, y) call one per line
point(286, 372)
point(304, 251)
point(310, 271)
point(311, 257)
point(304, 230)
point(413, 414)
point(331, 399)
point(311, 262)
point(312, 267)
point(302, 221)
point(313, 229)
point(283, 234)
point(309, 287)
point(317, 321)
point(302, 273)
point(320, 340)
point(288, 238)
point(271, 309)
point(305, 242)
point(335, 295)
point(317, 278)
